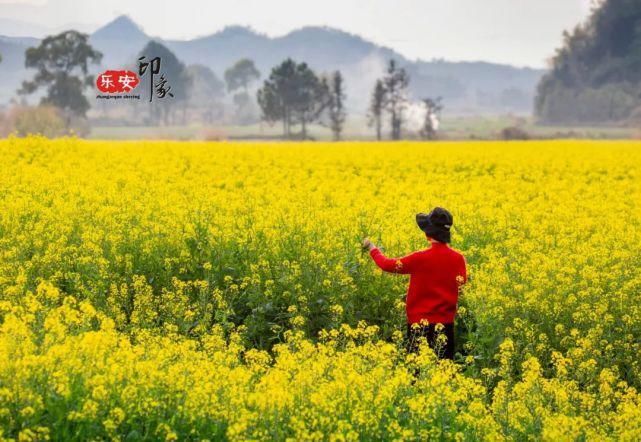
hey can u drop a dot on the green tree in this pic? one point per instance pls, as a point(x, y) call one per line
point(336, 105)
point(601, 54)
point(205, 92)
point(177, 77)
point(293, 94)
point(311, 97)
point(376, 108)
point(273, 107)
point(62, 66)
point(241, 75)
point(238, 78)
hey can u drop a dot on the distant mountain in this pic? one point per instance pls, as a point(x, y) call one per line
point(466, 87)
point(119, 41)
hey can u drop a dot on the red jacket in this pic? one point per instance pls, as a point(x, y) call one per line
point(436, 275)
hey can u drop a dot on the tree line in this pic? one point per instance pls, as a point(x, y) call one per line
point(594, 76)
point(293, 94)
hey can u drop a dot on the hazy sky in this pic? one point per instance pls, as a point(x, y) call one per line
point(520, 32)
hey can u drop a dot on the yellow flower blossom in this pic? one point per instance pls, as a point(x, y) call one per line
point(169, 290)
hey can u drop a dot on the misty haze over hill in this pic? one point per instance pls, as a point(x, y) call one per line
point(466, 87)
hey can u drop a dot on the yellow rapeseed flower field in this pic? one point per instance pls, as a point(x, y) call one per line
point(208, 291)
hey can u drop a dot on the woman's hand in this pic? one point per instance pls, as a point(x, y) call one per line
point(367, 244)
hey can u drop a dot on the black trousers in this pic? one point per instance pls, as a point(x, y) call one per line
point(444, 350)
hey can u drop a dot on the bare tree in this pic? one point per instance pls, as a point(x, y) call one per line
point(241, 75)
point(62, 68)
point(238, 78)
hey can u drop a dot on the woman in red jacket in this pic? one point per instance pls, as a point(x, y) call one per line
point(436, 275)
